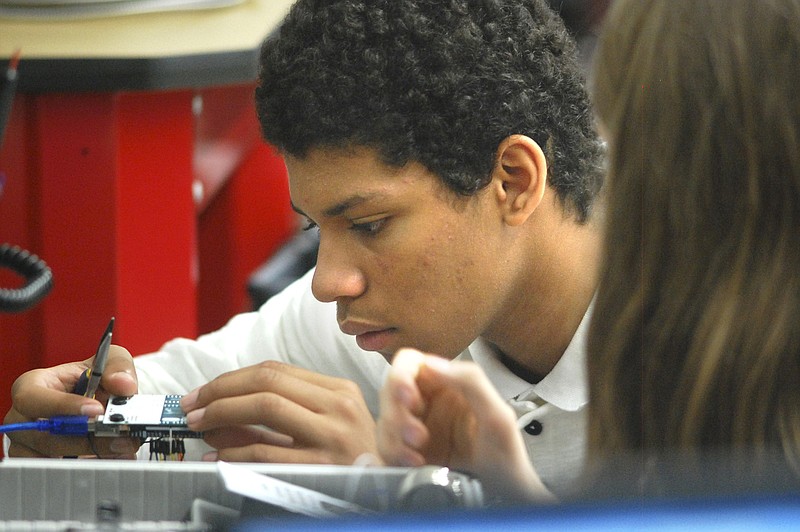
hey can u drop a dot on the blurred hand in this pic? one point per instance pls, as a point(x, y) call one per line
point(43, 393)
point(448, 413)
point(274, 412)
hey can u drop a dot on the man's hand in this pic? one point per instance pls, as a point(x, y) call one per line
point(274, 412)
point(435, 411)
point(44, 393)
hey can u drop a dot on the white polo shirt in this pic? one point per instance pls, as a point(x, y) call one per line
point(551, 413)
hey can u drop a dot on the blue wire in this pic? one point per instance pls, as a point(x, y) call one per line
point(14, 427)
point(59, 425)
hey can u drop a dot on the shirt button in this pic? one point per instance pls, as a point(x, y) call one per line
point(534, 428)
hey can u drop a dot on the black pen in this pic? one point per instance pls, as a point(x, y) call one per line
point(89, 380)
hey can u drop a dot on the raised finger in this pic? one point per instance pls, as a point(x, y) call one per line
point(474, 386)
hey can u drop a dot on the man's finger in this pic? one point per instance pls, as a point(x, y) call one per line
point(265, 408)
point(245, 435)
point(306, 388)
point(46, 392)
point(119, 375)
point(27, 443)
point(276, 455)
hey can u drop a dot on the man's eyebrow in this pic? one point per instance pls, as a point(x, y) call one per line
point(341, 207)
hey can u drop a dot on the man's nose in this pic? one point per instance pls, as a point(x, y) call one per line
point(336, 275)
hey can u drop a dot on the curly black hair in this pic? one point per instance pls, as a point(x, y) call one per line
point(438, 82)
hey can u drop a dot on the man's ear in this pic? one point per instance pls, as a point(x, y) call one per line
point(519, 178)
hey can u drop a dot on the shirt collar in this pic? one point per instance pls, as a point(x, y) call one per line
point(565, 387)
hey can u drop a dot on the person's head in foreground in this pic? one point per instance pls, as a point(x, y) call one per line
point(695, 346)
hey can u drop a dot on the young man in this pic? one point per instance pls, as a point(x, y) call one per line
point(445, 153)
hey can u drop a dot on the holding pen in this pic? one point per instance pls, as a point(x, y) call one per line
point(89, 380)
point(75, 391)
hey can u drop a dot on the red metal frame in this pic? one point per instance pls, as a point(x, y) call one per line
point(100, 186)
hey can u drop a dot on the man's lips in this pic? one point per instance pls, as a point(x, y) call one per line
point(374, 341)
point(368, 337)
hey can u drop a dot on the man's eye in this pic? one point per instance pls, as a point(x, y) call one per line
point(369, 228)
point(309, 225)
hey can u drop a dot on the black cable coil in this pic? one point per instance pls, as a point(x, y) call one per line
point(38, 279)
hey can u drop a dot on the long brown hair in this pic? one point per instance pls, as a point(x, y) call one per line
point(695, 343)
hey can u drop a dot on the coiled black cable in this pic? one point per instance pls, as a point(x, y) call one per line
point(38, 279)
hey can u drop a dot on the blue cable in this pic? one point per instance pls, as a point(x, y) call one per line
point(59, 425)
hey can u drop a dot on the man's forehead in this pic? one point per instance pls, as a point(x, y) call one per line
point(334, 155)
point(330, 182)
